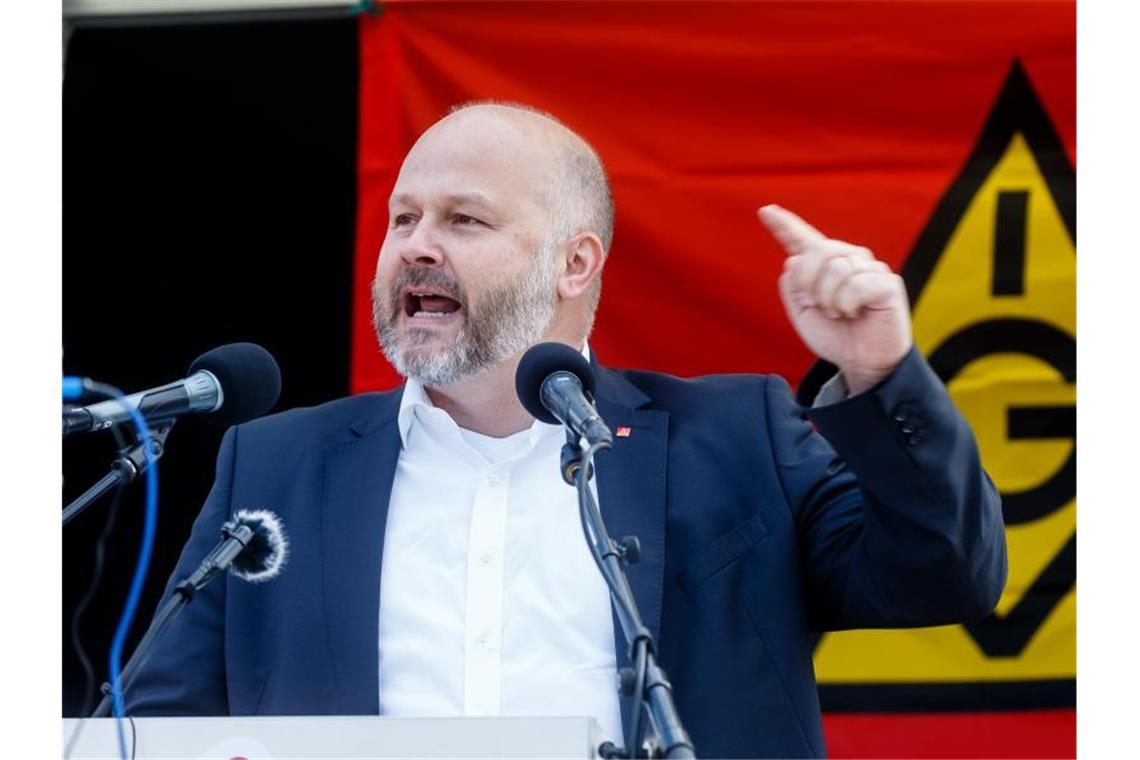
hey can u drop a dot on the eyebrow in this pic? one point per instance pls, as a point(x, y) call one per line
point(452, 198)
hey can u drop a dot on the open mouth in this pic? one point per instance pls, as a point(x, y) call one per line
point(422, 303)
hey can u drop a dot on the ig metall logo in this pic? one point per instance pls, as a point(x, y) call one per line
point(992, 284)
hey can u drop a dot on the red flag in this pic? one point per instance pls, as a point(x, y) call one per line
point(863, 117)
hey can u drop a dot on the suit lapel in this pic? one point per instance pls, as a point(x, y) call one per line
point(631, 492)
point(358, 485)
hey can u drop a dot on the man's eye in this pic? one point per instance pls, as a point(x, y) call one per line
point(465, 219)
point(402, 220)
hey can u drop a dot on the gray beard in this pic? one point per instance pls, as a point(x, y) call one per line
point(510, 318)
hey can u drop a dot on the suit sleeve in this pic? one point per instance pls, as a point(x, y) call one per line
point(185, 674)
point(898, 523)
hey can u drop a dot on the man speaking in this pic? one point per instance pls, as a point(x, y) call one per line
point(437, 562)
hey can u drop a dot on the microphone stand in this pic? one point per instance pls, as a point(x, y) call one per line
point(125, 469)
point(236, 537)
point(646, 682)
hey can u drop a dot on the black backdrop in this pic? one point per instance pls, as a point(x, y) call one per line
point(209, 197)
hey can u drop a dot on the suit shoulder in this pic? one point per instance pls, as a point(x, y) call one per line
point(706, 393)
point(329, 421)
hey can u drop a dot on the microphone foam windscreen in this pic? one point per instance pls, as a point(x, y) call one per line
point(265, 554)
point(250, 380)
point(540, 362)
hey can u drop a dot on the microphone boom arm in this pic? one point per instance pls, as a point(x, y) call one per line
point(236, 537)
point(648, 685)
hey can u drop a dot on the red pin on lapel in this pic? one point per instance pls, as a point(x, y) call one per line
point(622, 431)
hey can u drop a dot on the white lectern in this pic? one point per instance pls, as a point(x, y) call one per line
point(342, 737)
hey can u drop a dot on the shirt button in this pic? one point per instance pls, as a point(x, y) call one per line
point(485, 558)
point(493, 478)
point(483, 638)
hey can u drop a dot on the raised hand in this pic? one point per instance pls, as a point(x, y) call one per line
point(847, 306)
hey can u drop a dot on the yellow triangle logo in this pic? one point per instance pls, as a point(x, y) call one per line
point(992, 282)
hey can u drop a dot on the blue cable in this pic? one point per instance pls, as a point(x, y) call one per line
point(139, 579)
point(72, 388)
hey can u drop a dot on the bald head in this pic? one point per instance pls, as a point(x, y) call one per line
point(573, 180)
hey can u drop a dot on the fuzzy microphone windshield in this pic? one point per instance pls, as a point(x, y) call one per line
point(266, 552)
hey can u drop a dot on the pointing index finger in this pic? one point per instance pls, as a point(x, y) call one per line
point(793, 232)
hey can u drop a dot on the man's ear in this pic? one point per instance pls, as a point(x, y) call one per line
point(584, 259)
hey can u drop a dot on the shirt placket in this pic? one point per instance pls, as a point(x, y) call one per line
point(482, 677)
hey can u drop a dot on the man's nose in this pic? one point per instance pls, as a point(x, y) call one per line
point(423, 249)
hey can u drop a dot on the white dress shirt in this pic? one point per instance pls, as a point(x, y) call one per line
point(490, 603)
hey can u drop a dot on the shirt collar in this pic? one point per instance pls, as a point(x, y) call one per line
point(416, 406)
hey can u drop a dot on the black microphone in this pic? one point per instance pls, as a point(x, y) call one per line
point(253, 548)
point(556, 384)
point(230, 384)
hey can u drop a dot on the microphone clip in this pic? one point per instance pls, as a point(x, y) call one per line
point(131, 462)
point(572, 460)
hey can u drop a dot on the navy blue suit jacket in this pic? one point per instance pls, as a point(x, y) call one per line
point(755, 530)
